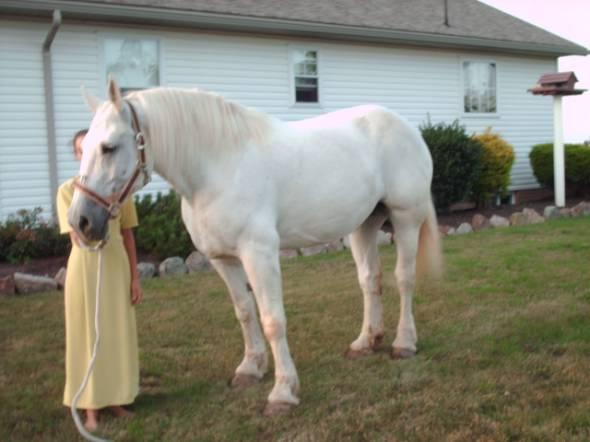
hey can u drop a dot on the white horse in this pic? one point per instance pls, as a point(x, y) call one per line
point(252, 185)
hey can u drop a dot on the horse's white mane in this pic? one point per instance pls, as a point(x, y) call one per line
point(195, 119)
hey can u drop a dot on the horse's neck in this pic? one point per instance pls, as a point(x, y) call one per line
point(176, 178)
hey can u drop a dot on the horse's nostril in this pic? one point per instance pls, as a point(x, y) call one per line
point(83, 224)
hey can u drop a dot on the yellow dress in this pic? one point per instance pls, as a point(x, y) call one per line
point(115, 378)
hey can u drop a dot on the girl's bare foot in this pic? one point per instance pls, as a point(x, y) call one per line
point(119, 411)
point(91, 420)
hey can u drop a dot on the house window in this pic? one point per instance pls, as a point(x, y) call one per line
point(479, 82)
point(305, 70)
point(133, 62)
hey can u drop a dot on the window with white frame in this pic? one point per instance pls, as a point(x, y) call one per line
point(479, 85)
point(133, 62)
point(306, 78)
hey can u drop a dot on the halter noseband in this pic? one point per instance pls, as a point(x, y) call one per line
point(112, 204)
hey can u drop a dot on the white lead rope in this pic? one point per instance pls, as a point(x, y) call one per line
point(81, 429)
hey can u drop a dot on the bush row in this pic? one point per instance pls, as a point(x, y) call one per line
point(577, 166)
point(161, 232)
point(26, 236)
point(466, 167)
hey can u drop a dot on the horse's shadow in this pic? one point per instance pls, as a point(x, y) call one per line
point(162, 398)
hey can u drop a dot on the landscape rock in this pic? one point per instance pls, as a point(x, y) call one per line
point(197, 262)
point(444, 230)
point(581, 209)
point(479, 222)
point(289, 253)
point(551, 212)
point(452, 231)
point(532, 216)
point(7, 286)
point(565, 212)
point(336, 246)
point(26, 283)
point(146, 270)
point(384, 238)
point(60, 278)
point(314, 250)
point(463, 229)
point(172, 266)
point(518, 219)
point(346, 242)
point(499, 221)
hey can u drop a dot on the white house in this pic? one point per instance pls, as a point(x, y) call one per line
point(443, 59)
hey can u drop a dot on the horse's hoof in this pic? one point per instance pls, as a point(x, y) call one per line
point(357, 354)
point(277, 409)
point(241, 381)
point(402, 353)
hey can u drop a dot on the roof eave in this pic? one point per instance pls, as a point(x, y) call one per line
point(201, 20)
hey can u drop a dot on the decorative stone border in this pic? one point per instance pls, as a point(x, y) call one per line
point(196, 262)
point(526, 217)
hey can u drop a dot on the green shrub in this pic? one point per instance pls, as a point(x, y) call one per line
point(577, 166)
point(26, 236)
point(161, 232)
point(496, 162)
point(457, 162)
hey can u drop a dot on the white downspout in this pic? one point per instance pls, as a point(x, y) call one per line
point(49, 109)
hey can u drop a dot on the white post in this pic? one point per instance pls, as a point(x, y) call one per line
point(558, 153)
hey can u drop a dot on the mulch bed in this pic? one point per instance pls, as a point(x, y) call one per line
point(50, 266)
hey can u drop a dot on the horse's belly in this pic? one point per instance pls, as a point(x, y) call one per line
point(323, 224)
point(327, 198)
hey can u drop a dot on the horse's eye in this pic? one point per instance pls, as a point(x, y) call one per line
point(107, 148)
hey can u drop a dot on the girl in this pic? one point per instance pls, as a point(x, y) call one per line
point(115, 379)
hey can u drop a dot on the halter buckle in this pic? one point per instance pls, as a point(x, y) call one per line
point(140, 141)
point(114, 209)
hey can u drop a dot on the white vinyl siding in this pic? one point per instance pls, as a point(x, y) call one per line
point(254, 71)
point(24, 175)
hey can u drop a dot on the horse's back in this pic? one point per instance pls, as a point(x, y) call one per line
point(335, 168)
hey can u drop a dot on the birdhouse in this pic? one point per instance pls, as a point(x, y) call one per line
point(560, 83)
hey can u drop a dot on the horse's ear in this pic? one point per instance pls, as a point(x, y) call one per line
point(91, 101)
point(115, 94)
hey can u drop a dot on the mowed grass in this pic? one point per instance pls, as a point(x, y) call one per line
point(504, 353)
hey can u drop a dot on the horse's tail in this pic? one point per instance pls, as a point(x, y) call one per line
point(430, 259)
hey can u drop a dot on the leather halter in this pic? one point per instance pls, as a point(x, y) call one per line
point(112, 204)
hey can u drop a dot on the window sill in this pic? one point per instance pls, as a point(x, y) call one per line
point(306, 106)
point(474, 116)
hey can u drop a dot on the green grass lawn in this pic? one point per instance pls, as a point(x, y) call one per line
point(504, 353)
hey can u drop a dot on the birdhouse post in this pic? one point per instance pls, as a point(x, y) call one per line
point(558, 84)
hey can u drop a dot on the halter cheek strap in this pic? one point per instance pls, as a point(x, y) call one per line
point(112, 204)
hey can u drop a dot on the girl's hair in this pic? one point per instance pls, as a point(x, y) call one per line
point(80, 133)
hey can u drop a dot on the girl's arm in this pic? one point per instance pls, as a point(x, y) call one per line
point(129, 242)
point(74, 239)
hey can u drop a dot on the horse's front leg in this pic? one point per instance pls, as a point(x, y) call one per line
point(255, 362)
point(261, 262)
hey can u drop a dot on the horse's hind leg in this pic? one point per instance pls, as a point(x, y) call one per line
point(406, 225)
point(363, 242)
point(255, 362)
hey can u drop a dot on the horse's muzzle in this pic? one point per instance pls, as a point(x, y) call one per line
point(89, 220)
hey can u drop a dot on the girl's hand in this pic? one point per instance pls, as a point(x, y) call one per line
point(136, 292)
